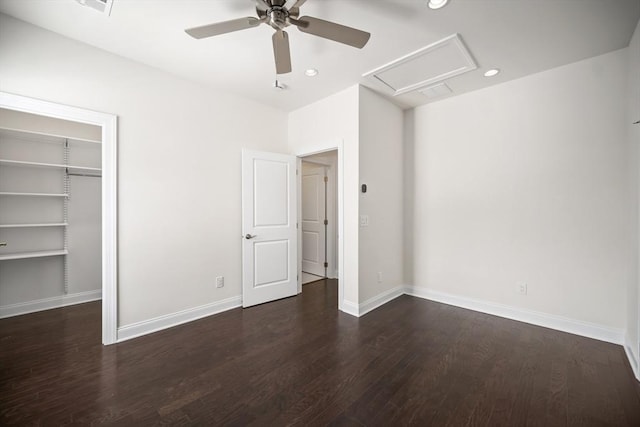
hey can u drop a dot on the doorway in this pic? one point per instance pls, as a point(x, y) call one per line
point(271, 202)
point(318, 216)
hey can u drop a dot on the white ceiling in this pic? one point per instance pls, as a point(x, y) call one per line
point(520, 37)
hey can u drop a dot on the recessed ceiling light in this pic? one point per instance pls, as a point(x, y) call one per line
point(492, 72)
point(437, 4)
point(311, 72)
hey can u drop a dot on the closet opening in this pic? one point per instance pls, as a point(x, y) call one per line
point(50, 216)
point(57, 209)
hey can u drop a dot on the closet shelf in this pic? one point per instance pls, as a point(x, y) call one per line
point(47, 165)
point(13, 193)
point(50, 224)
point(39, 254)
point(42, 137)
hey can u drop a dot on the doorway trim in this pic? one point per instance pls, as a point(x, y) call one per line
point(108, 123)
point(336, 145)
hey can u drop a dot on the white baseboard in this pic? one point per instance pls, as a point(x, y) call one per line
point(572, 326)
point(363, 308)
point(380, 299)
point(174, 319)
point(633, 359)
point(349, 308)
point(11, 310)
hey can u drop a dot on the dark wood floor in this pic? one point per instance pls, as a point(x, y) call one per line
point(300, 361)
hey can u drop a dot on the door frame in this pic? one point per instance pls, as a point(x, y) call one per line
point(323, 148)
point(108, 123)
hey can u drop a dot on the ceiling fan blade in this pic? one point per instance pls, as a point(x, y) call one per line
point(332, 31)
point(262, 5)
point(223, 27)
point(290, 4)
point(281, 52)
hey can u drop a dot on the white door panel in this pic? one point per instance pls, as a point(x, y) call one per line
point(310, 189)
point(269, 227)
point(313, 216)
point(271, 193)
point(271, 266)
point(310, 247)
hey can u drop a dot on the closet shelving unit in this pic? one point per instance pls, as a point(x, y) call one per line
point(68, 170)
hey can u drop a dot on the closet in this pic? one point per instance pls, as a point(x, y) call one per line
point(50, 213)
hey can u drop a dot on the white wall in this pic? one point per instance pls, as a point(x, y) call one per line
point(178, 164)
point(526, 182)
point(633, 97)
point(85, 234)
point(325, 124)
point(381, 242)
point(408, 179)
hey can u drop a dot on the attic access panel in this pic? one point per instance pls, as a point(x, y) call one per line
point(427, 66)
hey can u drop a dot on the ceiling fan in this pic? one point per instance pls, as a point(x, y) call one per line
point(280, 14)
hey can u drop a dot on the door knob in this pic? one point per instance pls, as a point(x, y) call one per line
point(249, 236)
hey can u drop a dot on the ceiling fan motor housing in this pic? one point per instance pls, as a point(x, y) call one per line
point(276, 14)
point(278, 17)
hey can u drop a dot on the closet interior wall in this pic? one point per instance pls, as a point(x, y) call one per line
point(36, 215)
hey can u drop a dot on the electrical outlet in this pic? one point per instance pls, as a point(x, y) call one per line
point(379, 276)
point(364, 220)
point(220, 282)
point(522, 288)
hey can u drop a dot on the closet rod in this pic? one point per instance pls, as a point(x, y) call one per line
point(84, 174)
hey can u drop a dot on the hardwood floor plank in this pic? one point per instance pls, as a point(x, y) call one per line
point(299, 361)
point(626, 392)
point(557, 395)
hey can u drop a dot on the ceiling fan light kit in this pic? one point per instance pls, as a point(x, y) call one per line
point(280, 14)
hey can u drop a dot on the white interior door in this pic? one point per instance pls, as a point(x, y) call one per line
point(269, 247)
point(313, 217)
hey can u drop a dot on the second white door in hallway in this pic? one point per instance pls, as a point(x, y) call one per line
point(313, 219)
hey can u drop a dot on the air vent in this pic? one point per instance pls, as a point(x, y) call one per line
point(103, 6)
point(436, 91)
point(425, 67)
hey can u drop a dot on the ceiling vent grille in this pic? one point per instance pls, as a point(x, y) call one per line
point(103, 6)
point(436, 91)
point(427, 66)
